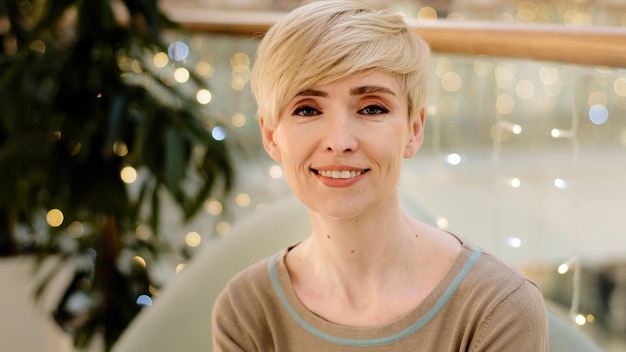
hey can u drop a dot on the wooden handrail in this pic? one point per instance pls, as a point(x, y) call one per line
point(585, 45)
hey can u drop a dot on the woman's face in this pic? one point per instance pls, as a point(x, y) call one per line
point(342, 144)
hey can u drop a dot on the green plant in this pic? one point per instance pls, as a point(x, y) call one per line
point(79, 104)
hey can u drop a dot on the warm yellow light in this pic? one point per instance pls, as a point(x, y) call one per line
point(222, 228)
point(563, 268)
point(427, 13)
point(240, 62)
point(431, 110)
point(143, 232)
point(128, 174)
point(139, 260)
point(239, 120)
point(580, 319)
point(597, 98)
point(451, 82)
point(243, 200)
point(205, 69)
point(237, 83)
point(527, 11)
point(548, 75)
point(181, 75)
point(120, 148)
point(180, 267)
point(54, 218)
point(193, 239)
point(204, 96)
point(504, 104)
point(505, 74)
point(577, 18)
point(276, 172)
point(160, 59)
point(214, 207)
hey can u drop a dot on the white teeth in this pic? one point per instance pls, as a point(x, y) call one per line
point(339, 174)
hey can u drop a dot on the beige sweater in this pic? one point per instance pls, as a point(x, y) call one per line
point(480, 305)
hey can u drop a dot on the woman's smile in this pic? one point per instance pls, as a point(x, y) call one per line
point(339, 173)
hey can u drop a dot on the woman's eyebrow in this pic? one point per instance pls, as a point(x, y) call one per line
point(371, 89)
point(312, 93)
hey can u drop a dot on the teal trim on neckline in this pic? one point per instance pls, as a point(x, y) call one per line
point(381, 340)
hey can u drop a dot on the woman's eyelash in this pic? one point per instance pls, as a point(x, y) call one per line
point(374, 109)
point(305, 111)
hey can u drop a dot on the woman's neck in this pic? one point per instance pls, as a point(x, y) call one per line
point(365, 248)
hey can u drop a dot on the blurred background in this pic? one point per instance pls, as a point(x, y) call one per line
point(526, 158)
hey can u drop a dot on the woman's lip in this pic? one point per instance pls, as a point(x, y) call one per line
point(339, 173)
point(339, 178)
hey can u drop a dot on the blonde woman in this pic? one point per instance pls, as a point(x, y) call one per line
point(341, 90)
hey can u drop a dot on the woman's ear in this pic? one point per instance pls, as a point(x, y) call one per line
point(270, 145)
point(417, 135)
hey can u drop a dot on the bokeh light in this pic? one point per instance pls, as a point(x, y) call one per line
point(54, 217)
point(243, 200)
point(181, 75)
point(218, 133)
point(514, 242)
point(160, 59)
point(144, 300)
point(76, 229)
point(427, 13)
point(204, 96)
point(453, 159)
point(178, 51)
point(598, 114)
point(193, 239)
point(239, 120)
point(213, 207)
point(139, 260)
point(442, 223)
point(222, 228)
point(204, 69)
point(275, 172)
point(143, 232)
point(128, 174)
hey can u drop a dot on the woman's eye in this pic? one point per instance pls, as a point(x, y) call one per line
point(306, 111)
point(373, 110)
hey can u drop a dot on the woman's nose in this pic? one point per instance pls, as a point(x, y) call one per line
point(341, 134)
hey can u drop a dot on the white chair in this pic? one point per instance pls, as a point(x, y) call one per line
point(180, 319)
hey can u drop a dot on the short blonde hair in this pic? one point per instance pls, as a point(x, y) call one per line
point(324, 41)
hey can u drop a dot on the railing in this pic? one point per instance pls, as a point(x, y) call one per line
point(585, 45)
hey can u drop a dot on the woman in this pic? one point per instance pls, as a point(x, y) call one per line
point(341, 90)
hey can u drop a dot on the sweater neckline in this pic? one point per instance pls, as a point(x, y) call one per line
point(376, 335)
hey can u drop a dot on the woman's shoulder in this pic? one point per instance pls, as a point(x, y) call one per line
point(255, 275)
point(245, 291)
point(496, 281)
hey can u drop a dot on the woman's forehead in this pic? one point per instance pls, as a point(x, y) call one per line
point(360, 82)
